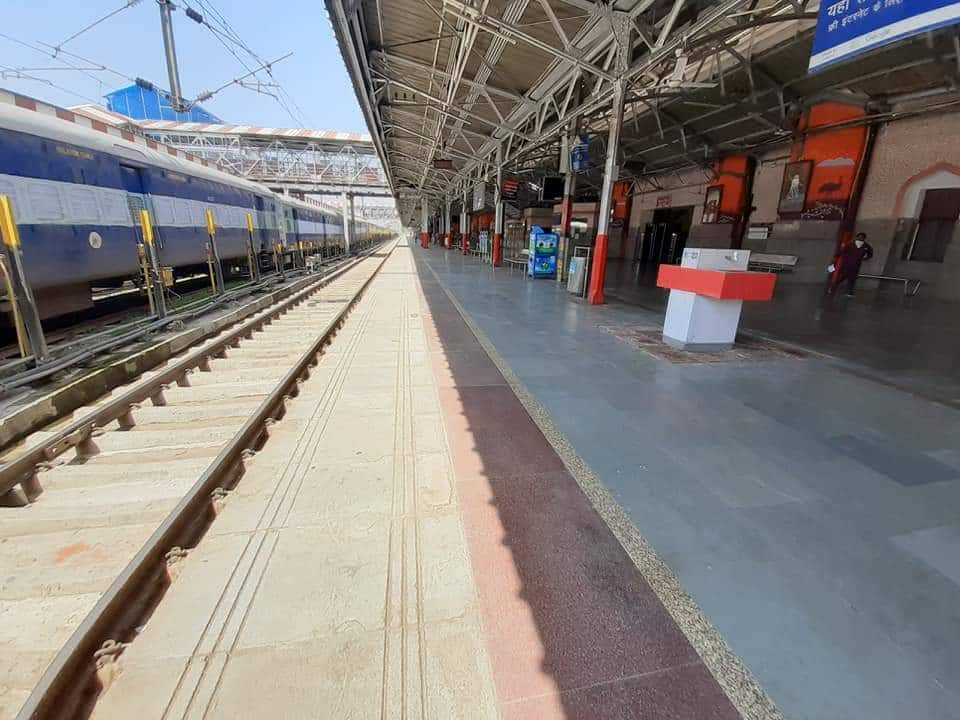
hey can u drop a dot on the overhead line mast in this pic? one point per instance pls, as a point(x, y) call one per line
point(170, 49)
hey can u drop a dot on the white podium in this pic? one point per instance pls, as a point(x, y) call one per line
point(707, 291)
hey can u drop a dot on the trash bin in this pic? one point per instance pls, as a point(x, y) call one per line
point(577, 272)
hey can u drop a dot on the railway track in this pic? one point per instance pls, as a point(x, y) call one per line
point(87, 338)
point(116, 494)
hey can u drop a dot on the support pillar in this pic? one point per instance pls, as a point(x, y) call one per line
point(598, 274)
point(497, 258)
point(566, 215)
point(424, 224)
point(447, 224)
point(465, 222)
point(345, 209)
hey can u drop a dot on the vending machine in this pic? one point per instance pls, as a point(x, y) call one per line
point(542, 259)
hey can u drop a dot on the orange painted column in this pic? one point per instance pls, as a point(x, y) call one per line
point(834, 156)
point(497, 254)
point(424, 224)
point(598, 274)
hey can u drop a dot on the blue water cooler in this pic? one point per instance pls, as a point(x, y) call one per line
point(542, 258)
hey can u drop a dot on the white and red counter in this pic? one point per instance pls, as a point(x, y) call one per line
point(707, 291)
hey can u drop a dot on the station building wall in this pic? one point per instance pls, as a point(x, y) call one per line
point(912, 156)
point(686, 188)
point(909, 157)
point(812, 241)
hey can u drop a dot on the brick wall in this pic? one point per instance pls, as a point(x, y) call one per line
point(911, 155)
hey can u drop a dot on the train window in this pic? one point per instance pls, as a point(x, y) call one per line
point(195, 209)
point(45, 202)
point(163, 211)
point(82, 204)
point(7, 188)
point(113, 208)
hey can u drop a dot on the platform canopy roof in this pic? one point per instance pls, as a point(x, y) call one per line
point(464, 80)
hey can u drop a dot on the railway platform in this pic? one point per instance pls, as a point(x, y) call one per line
point(408, 543)
point(808, 503)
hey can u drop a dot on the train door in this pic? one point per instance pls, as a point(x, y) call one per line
point(137, 199)
point(259, 215)
point(282, 224)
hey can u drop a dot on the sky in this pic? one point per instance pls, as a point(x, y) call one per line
point(131, 43)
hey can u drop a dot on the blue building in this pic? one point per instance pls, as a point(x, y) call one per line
point(149, 103)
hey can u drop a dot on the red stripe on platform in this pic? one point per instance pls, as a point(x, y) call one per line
point(572, 628)
point(718, 284)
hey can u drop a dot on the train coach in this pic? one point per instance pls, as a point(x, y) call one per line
point(77, 194)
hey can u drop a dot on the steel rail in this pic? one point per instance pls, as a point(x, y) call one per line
point(109, 340)
point(112, 616)
point(24, 469)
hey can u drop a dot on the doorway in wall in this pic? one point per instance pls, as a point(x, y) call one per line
point(665, 236)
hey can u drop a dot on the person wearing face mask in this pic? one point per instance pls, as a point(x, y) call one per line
point(848, 262)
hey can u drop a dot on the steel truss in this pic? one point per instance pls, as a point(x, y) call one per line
point(692, 74)
point(286, 163)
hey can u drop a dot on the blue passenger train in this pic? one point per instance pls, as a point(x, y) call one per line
point(77, 194)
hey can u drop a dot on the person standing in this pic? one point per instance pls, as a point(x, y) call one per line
point(848, 262)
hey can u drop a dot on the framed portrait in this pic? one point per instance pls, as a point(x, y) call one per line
point(711, 204)
point(793, 191)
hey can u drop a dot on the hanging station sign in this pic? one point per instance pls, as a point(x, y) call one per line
point(479, 195)
point(580, 154)
point(847, 28)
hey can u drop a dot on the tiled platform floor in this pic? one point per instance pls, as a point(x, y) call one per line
point(812, 512)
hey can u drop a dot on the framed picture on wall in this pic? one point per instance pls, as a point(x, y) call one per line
point(793, 191)
point(711, 204)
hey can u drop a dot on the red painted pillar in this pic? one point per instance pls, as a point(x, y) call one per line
point(465, 243)
point(424, 224)
point(497, 255)
point(598, 274)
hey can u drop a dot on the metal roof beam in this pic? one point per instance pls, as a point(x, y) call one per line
point(446, 149)
point(639, 68)
point(408, 62)
point(586, 5)
point(555, 22)
point(667, 26)
point(445, 105)
point(499, 28)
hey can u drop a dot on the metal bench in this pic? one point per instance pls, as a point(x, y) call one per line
point(516, 262)
point(770, 262)
point(893, 278)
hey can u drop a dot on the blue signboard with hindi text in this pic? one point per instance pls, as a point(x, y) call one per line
point(847, 28)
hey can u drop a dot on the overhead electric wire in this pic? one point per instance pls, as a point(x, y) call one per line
point(4, 70)
point(225, 34)
point(236, 81)
point(81, 31)
point(68, 65)
point(105, 68)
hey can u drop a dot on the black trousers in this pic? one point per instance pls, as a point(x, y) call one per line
point(851, 281)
